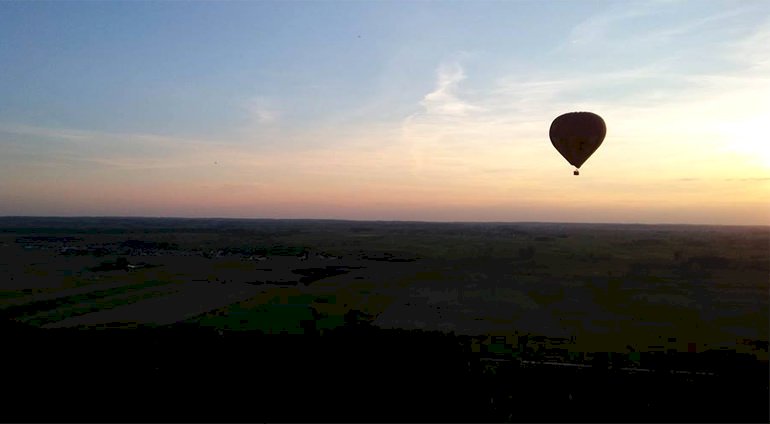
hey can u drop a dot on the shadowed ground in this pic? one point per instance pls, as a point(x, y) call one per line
point(348, 375)
point(237, 320)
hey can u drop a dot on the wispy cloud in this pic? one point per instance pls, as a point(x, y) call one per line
point(106, 149)
point(753, 51)
point(613, 25)
point(263, 111)
point(435, 133)
point(753, 179)
point(637, 33)
point(445, 100)
point(54, 133)
point(693, 113)
point(600, 26)
point(708, 22)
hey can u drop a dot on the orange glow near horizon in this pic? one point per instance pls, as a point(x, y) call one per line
point(692, 166)
point(417, 179)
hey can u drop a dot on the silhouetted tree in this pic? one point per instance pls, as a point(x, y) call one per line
point(121, 263)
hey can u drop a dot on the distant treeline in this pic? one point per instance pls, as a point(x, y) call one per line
point(129, 224)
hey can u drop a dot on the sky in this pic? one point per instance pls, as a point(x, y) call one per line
point(385, 110)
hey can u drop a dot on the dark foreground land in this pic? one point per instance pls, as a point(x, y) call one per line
point(259, 320)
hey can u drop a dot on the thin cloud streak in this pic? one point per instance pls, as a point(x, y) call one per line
point(597, 27)
point(262, 111)
point(444, 100)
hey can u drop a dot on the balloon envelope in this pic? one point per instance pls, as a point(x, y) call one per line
point(577, 135)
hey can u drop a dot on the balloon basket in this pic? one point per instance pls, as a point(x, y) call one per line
point(576, 172)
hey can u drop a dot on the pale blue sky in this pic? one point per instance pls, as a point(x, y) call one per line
point(189, 67)
point(108, 90)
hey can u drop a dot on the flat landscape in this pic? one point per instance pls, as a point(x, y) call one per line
point(286, 320)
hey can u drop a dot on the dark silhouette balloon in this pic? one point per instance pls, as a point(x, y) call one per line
point(577, 135)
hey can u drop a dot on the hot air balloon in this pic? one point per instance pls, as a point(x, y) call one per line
point(577, 135)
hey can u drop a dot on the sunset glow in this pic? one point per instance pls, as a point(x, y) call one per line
point(432, 111)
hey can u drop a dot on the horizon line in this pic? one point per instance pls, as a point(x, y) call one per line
point(372, 220)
